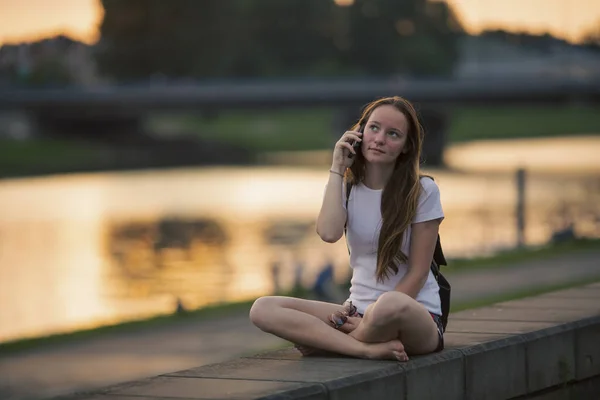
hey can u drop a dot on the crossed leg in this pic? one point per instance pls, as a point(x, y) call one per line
point(396, 315)
point(306, 322)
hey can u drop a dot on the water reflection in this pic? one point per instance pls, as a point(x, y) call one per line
point(287, 233)
point(80, 251)
point(140, 249)
point(171, 257)
point(567, 154)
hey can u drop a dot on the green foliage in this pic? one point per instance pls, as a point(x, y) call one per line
point(304, 129)
point(415, 37)
point(145, 38)
point(311, 129)
point(293, 130)
point(272, 38)
point(509, 122)
point(49, 71)
point(50, 153)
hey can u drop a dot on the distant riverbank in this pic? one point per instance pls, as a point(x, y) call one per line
point(250, 138)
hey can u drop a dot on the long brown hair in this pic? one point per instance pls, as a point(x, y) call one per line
point(403, 184)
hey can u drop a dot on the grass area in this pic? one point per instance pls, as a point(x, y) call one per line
point(299, 129)
point(511, 257)
point(476, 123)
point(240, 308)
point(22, 156)
point(279, 130)
point(311, 129)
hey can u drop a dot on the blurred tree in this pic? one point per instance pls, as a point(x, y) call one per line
point(591, 38)
point(533, 42)
point(239, 38)
point(179, 38)
point(50, 71)
point(291, 37)
point(416, 37)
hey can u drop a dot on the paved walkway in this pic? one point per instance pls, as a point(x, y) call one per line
point(119, 357)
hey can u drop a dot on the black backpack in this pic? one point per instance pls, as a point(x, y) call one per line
point(438, 260)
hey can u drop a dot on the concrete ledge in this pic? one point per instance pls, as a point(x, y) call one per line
point(543, 347)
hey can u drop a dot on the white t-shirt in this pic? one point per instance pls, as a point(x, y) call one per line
point(363, 226)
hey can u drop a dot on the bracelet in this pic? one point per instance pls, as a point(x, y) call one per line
point(337, 173)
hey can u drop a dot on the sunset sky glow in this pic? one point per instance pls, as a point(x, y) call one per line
point(29, 20)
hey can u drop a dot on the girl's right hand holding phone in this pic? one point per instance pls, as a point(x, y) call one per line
point(343, 149)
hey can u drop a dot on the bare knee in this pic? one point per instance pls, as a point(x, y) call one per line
point(390, 306)
point(261, 311)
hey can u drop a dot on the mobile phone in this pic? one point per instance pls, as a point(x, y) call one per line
point(356, 145)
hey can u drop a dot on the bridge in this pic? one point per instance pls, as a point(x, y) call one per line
point(299, 93)
point(117, 111)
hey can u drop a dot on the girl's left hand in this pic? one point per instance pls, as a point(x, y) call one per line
point(342, 322)
point(351, 324)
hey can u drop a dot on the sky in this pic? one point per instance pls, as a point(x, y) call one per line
point(28, 20)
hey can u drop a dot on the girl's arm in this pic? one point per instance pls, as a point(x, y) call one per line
point(332, 217)
point(422, 245)
point(423, 238)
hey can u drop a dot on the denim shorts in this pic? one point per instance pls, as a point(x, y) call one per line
point(440, 327)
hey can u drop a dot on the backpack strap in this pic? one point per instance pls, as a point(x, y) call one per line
point(438, 253)
point(348, 189)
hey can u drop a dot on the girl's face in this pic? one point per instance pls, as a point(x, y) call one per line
point(385, 135)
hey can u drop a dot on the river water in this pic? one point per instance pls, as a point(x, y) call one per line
point(80, 251)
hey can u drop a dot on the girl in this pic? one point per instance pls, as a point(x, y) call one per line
point(392, 217)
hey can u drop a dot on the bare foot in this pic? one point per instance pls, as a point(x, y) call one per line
point(392, 350)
